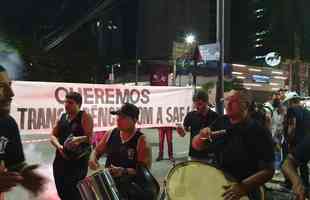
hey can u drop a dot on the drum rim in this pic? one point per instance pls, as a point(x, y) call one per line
point(184, 163)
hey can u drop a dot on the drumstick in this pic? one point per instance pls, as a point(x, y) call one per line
point(215, 134)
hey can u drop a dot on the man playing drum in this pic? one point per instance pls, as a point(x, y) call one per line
point(245, 151)
point(126, 148)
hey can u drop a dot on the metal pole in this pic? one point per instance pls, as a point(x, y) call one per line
point(138, 38)
point(195, 74)
point(220, 39)
point(112, 72)
point(101, 54)
point(137, 71)
point(174, 72)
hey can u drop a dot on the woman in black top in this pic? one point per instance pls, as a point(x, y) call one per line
point(69, 167)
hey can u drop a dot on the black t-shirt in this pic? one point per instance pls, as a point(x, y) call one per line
point(302, 151)
point(122, 154)
point(302, 118)
point(245, 149)
point(11, 149)
point(71, 128)
point(196, 121)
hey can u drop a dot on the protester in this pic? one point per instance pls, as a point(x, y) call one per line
point(72, 139)
point(13, 168)
point(126, 149)
point(244, 149)
point(196, 120)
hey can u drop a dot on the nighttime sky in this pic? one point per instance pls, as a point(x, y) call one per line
point(25, 15)
point(21, 19)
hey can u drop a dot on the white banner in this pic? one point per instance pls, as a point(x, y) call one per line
point(38, 105)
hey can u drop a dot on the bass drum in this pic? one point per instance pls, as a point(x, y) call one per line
point(194, 180)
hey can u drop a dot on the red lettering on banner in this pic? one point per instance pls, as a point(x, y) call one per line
point(38, 118)
point(109, 96)
point(88, 96)
point(105, 96)
point(99, 94)
point(146, 115)
point(175, 114)
point(22, 116)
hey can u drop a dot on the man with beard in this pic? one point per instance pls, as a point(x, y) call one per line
point(245, 151)
point(14, 169)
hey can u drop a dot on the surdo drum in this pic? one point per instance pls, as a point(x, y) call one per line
point(195, 180)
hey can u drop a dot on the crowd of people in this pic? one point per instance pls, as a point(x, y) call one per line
point(288, 121)
point(256, 142)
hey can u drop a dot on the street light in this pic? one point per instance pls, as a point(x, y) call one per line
point(190, 38)
point(112, 77)
point(138, 62)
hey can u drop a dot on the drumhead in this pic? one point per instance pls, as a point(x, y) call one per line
point(195, 180)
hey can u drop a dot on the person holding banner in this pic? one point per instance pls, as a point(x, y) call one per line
point(244, 149)
point(72, 139)
point(196, 120)
point(13, 168)
point(126, 148)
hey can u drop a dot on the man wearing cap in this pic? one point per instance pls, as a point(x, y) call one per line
point(196, 120)
point(297, 127)
point(126, 148)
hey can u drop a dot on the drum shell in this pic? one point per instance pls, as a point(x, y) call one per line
point(194, 180)
point(99, 185)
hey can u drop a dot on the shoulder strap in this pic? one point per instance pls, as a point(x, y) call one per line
point(63, 117)
point(113, 134)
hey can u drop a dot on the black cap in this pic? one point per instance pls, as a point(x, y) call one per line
point(128, 110)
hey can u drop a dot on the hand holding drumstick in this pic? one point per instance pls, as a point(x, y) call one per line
point(180, 130)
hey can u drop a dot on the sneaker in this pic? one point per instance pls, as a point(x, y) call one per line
point(171, 159)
